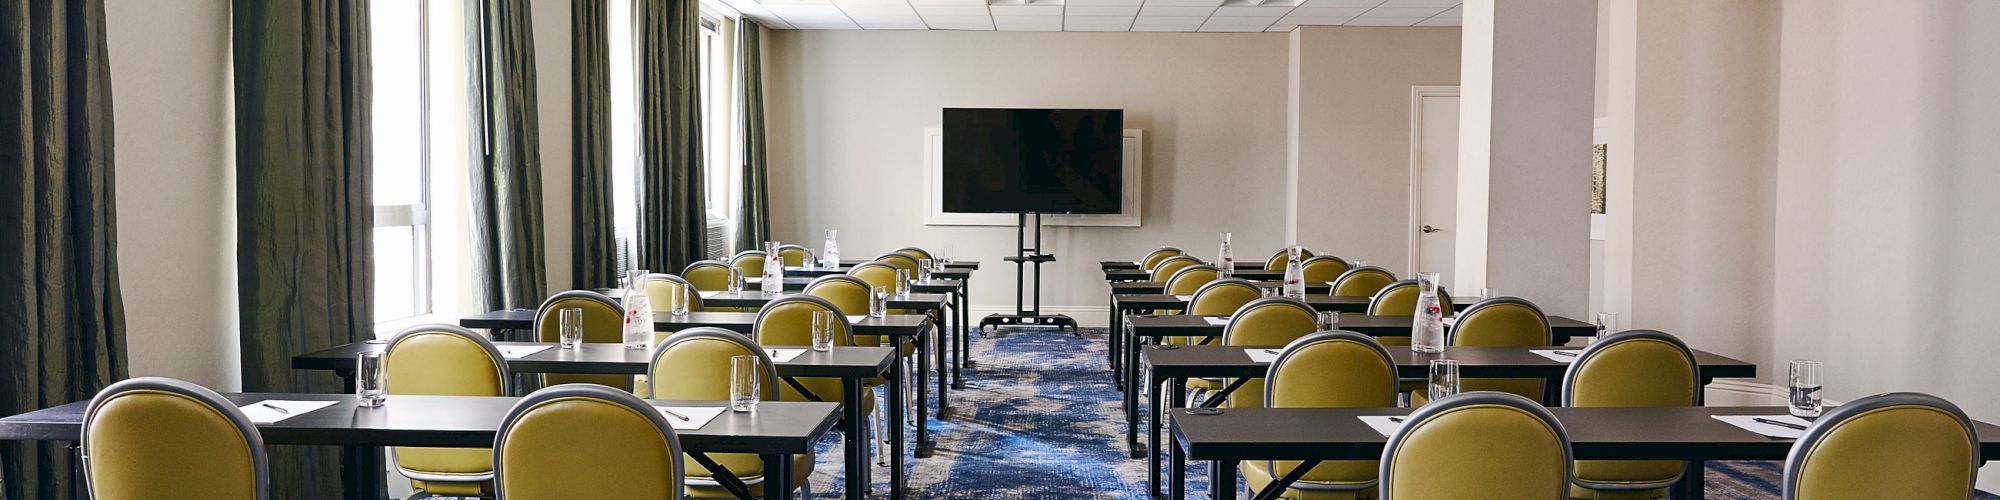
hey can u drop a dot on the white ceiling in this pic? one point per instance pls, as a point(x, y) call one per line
point(1095, 15)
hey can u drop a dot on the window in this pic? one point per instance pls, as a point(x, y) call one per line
point(419, 138)
point(719, 126)
point(624, 130)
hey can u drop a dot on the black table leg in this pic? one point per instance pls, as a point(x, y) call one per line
point(1132, 389)
point(1115, 339)
point(1694, 482)
point(941, 344)
point(923, 397)
point(857, 439)
point(895, 419)
point(365, 471)
point(1153, 435)
point(777, 476)
point(1177, 475)
point(1222, 482)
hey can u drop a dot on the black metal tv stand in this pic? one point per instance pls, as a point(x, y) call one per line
point(1023, 256)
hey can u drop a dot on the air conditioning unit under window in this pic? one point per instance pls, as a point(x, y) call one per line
point(717, 236)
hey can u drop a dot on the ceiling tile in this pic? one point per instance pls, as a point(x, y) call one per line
point(1104, 28)
point(1026, 10)
point(921, 3)
point(1152, 9)
point(1179, 28)
point(953, 10)
point(982, 23)
point(1421, 3)
point(1384, 21)
point(1073, 20)
point(1027, 23)
point(1442, 21)
point(1093, 3)
point(1282, 26)
point(1232, 11)
point(1259, 22)
point(1185, 3)
point(1344, 13)
point(1416, 12)
point(812, 17)
point(1126, 11)
point(1169, 21)
point(1231, 29)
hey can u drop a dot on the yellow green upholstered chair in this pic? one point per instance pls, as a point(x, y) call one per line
point(1636, 368)
point(707, 275)
point(445, 360)
point(586, 441)
point(1362, 281)
point(1265, 322)
point(849, 295)
point(1477, 445)
point(915, 253)
point(1499, 321)
point(1324, 268)
point(1190, 278)
point(1337, 369)
point(603, 323)
point(875, 273)
point(1154, 257)
point(794, 255)
point(788, 322)
point(1278, 260)
point(1895, 445)
point(660, 285)
point(901, 261)
point(751, 262)
point(694, 364)
point(1220, 297)
point(1400, 299)
point(153, 437)
point(1170, 265)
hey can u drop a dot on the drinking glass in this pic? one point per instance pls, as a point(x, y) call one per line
point(569, 327)
point(1607, 324)
point(1805, 393)
point(371, 379)
point(902, 283)
point(924, 268)
point(1329, 321)
point(735, 280)
point(1444, 378)
point(1269, 292)
point(1359, 264)
point(822, 331)
point(743, 381)
point(878, 302)
point(1488, 292)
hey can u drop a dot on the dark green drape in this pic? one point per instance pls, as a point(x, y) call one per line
point(593, 252)
point(303, 211)
point(62, 321)
point(673, 211)
point(507, 255)
point(753, 212)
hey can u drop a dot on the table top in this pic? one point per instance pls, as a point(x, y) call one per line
point(1231, 361)
point(899, 325)
point(1683, 433)
point(615, 359)
point(1319, 301)
point(1143, 275)
point(1157, 287)
point(956, 264)
point(755, 299)
point(1116, 265)
point(1182, 325)
point(465, 422)
point(952, 273)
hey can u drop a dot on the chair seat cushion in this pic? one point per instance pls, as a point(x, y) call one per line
point(1258, 474)
point(701, 484)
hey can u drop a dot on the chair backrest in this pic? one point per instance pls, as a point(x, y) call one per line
point(751, 262)
point(1477, 445)
point(1170, 265)
point(1324, 268)
point(659, 285)
point(1633, 368)
point(444, 360)
point(1895, 445)
point(1501, 321)
point(1400, 299)
point(603, 323)
point(1336, 369)
point(707, 275)
point(1154, 257)
point(787, 321)
point(1270, 321)
point(586, 441)
point(143, 437)
point(1191, 278)
point(876, 273)
point(915, 253)
point(1278, 260)
point(1223, 296)
point(1362, 281)
point(901, 261)
point(693, 364)
point(794, 255)
point(847, 293)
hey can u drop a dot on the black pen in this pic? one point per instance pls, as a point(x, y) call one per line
point(275, 408)
point(1396, 419)
point(1779, 423)
point(1565, 353)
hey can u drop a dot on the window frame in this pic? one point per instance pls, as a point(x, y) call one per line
point(416, 216)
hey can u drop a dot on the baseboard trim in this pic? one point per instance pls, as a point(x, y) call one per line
point(1088, 316)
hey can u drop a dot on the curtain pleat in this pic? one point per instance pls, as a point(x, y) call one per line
point(508, 256)
point(593, 252)
point(303, 210)
point(753, 213)
point(671, 202)
point(62, 320)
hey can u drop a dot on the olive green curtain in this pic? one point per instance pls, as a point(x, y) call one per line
point(671, 202)
point(507, 254)
point(753, 212)
point(303, 211)
point(593, 252)
point(62, 321)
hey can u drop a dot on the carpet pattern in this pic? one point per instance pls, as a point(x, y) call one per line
point(1039, 418)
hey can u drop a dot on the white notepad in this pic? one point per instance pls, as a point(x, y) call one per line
point(1262, 355)
point(520, 351)
point(710, 293)
point(1217, 321)
point(1748, 423)
point(1382, 424)
point(856, 318)
point(1563, 358)
point(697, 416)
point(783, 355)
point(262, 412)
point(1184, 298)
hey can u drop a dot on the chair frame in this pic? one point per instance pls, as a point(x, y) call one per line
point(914, 264)
point(1351, 271)
point(1343, 262)
point(836, 277)
point(1157, 251)
point(927, 253)
point(1548, 333)
point(1222, 282)
point(1475, 398)
point(869, 264)
point(251, 438)
point(1596, 348)
point(588, 391)
point(1795, 459)
point(1163, 262)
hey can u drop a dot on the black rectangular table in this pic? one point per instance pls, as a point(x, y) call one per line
point(776, 430)
point(1123, 304)
point(1174, 365)
point(1685, 433)
point(1248, 274)
point(958, 273)
point(1159, 287)
point(1121, 265)
point(850, 364)
point(955, 264)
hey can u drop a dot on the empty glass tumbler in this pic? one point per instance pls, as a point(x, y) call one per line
point(1444, 378)
point(902, 283)
point(569, 327)
point(1607, 323)
point(371, 379)
point(878, 302)
point(677, 300)
point(735, 280)
point(743, 383)
point(1805, 388)
point(1329, 321)
point(823, 325)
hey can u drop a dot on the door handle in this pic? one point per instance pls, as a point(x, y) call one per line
point(1431, 229)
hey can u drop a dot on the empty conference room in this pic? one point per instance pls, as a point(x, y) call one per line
point(999, 249)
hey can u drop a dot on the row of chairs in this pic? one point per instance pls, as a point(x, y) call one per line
point(713, 275)
point(1182, 274)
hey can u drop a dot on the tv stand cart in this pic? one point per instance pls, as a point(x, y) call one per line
point(1023, 256)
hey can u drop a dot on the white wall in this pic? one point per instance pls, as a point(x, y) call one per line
point(552, 70)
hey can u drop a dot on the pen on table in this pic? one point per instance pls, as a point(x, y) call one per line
point(275, 408)
point(671, 413)
point(1779, 423)
point(1565, 353)
point(1396, 419)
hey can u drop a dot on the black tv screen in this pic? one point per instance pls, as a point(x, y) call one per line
point(1052, 161)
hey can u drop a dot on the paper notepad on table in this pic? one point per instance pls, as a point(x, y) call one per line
point(262, 412)
point(856, 318)
point(1750, 423)
point(697, 416)
point(710, 293)
point(783, 355)
point(1216, 320)
point(753, 280)
point(1184, 298)
point(519, 351)
point(1553, 354)
point(1262, 355)
point(1382, 423)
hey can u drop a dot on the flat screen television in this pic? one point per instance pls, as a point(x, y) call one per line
point(1051, 161)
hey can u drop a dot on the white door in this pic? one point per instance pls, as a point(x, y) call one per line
point(1436, 180)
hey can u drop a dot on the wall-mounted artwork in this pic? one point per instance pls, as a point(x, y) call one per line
point(1597, 160)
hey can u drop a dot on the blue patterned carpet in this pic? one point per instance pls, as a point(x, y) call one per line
point(1039, 419)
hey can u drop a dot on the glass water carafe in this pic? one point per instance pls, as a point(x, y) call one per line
point(774, 269)
point(638, 312)
point(1225, 260)
point(831, 257)
point(1295, 275)
point(1427, 328)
